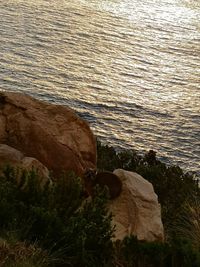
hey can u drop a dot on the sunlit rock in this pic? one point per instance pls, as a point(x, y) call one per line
point(53, 134)
point(136, 211)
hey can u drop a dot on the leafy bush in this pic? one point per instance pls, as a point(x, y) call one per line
point(67, 230)
point(133, 253)
point(56, 217)
point(171, 184)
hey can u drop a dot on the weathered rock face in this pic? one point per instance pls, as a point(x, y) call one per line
point(29, 164)
point(53, 134)
point(14, 158)
point(9, 156)
point(136, 211)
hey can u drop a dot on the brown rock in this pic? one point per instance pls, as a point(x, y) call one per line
point(53, 134)
point(2, 127)
point(12, 157)
point(136, 211)
point(9, 156)
point(32, 164)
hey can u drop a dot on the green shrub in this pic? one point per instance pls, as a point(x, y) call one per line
point(173, 186)
point(133, 253)
point(74, 232)
point(56, 217)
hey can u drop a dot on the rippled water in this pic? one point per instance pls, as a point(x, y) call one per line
point(130, 67)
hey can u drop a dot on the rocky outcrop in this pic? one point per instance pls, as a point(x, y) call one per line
point(136, 211)
point(53, 134)
point(12, 157)
point(9, 156)
point(30, 164)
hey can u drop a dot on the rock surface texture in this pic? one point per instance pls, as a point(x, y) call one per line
point(53, 134)
point(16, 159)
point(136, 211)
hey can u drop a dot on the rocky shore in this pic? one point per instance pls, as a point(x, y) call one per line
point(51, 140)
point(46, 137)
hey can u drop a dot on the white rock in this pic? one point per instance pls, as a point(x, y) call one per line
point(136, 211)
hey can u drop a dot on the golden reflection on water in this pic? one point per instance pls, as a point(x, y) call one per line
point(130, 67)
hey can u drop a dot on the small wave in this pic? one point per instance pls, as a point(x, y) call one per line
point(129, 68)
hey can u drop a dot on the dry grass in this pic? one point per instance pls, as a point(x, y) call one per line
point(13, 254)
point(188, 225)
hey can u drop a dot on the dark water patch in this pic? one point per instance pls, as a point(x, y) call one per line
point(87, 116)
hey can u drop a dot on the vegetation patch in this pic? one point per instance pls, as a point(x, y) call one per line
point(56, 226)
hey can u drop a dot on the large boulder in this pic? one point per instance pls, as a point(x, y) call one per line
point(136, 211)
point(53, 134)
point(14, 158)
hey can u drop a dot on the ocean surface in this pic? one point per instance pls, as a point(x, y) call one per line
point(131, 68)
